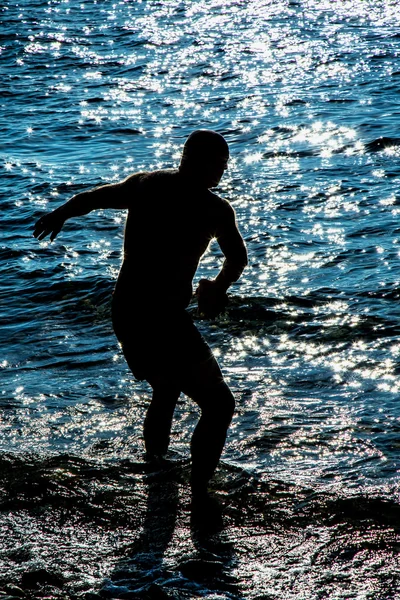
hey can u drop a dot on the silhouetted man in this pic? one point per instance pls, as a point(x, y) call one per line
point(172, 217)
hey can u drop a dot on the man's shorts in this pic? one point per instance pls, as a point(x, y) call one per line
point(157, 344)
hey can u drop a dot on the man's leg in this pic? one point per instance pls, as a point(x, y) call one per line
point(206, 386)
point(158, 421)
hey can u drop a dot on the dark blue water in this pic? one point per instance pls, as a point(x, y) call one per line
point(307, 95)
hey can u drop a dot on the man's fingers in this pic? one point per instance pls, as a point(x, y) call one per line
point(41, 233)
point(39, 228)
point(45, 226)
point(37, 231)
point(44, 234)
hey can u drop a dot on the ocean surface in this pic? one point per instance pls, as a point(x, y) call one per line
point(307, 94)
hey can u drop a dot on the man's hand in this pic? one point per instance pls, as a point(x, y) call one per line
point(211, 299)
point(49, 224)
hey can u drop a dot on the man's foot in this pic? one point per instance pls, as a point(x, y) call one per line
point(206, 511)
point(156, 463)
point(153, 457)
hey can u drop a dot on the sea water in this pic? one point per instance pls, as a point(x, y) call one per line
point(306, 93)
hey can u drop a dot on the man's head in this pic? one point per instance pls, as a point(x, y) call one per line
point(205, 157)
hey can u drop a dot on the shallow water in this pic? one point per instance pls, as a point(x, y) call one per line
point(306, 94)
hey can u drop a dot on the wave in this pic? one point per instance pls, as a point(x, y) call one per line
point(382, 143)
point(379, 144)
point(296, 315)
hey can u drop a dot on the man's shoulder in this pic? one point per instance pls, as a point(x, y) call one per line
point(158, 175)
point(221, 204)
point(150, 176)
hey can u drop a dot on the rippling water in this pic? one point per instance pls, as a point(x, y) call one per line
point(306, 93)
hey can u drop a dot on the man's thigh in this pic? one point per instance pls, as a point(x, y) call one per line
point(202, 375)
point(206, 385)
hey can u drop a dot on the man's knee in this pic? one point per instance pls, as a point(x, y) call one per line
point(219, 405)
point(228, 402)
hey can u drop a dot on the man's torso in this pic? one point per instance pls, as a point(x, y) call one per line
point(168, 228)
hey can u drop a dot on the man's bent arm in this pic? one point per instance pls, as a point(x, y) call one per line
point(234, 250)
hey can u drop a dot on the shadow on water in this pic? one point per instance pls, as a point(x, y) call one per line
point(180, 552)
point(142, 566)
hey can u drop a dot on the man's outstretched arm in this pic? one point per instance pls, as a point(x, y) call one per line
point(112, 195)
